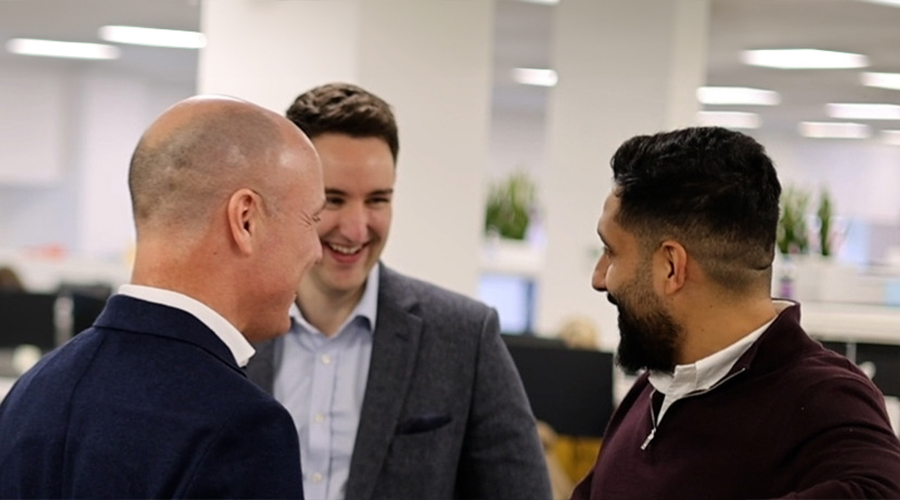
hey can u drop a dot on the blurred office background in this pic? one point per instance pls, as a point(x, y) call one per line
point(470, 117)
point(485, 91)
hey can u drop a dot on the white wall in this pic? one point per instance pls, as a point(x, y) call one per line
point(82, 204)
point(863, 175)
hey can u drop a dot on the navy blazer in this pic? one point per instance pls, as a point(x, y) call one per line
point(444, 414)
point(148, 403)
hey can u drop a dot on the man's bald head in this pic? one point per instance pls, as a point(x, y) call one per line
point(195, 154)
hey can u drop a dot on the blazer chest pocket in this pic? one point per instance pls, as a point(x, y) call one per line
point(424, 447)
point(423, 423)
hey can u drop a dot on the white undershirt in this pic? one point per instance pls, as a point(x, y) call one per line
point(703, 374)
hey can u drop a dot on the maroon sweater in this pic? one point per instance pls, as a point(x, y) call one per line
point(794, 420)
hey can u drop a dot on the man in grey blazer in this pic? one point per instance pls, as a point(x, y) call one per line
point(398, 389)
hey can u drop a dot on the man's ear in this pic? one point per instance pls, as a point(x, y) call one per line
point(673, 260)
point(243, 218)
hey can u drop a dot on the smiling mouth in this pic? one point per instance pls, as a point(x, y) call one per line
point(345, 250)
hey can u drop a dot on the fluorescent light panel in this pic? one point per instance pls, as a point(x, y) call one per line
point(881, 80)
point(891, 137)
point(737, 95)
point(729, 119)
point(892, 3)
point(52, 48)
point(153, 37)
point(803, 59)
point(532, 76)
point(858, 111)
point(834, 130)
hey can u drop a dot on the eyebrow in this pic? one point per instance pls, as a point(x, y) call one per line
point(377, 192)
point(605, 242)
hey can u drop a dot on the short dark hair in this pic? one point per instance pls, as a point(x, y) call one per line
point(345, 108)
point(712, 189)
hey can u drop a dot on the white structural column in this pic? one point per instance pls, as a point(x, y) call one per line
point(431, 59)
point(625, 68)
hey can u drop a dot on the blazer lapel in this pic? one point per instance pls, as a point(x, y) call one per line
point(394, 348)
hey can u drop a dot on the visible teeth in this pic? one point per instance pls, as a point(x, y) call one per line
point(345, 250)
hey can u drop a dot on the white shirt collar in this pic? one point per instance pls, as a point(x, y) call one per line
point(238, 345)
point(705, 373)
point(367, 306)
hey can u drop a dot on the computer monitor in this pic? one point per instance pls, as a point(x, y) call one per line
point(569, 389)
point(27, 318)
point(85, 309)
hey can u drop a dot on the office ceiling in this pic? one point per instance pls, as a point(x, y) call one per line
point(524, 34)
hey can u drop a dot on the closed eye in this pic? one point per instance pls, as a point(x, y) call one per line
point(378, 201)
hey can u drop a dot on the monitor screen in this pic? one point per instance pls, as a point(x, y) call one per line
point(569, 389)
point(27, 318)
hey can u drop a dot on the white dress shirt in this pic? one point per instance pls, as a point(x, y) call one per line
point(321, 380)
point(238, 345)
point(704, 374)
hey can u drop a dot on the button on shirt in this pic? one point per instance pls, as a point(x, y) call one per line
point(322, 382)
point(238, 345)
point(704, 374)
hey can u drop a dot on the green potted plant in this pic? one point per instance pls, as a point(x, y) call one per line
point(793, 237)
point(509, 206)
point(825, 214)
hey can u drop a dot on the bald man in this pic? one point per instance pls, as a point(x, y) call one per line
point(152, 401)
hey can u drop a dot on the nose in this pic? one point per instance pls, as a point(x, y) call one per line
point(598, 281)
point(355, 222)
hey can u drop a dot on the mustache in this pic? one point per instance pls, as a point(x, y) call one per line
point(612, 300)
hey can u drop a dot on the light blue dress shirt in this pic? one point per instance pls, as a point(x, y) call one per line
point(322, 381)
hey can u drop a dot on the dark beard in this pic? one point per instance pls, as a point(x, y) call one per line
point(648, 340)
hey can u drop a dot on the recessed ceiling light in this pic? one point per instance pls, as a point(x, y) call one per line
point(545, 2)
point(532, 76)
point(891, 137)
point(834, 130)
point(52, 48)
point(729, 119)
point(882, 80)
point(153, 37)
point(737, 95)
point(857, 111)
point(803, 59)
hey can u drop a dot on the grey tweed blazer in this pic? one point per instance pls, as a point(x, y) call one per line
point(444, 415)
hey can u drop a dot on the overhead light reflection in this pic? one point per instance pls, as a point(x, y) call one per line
point(533, 76)
point(53, 48)
point(803, 59)
point(881, 80)
point(737, 95)
point(834, 130)
point(863, 111)
point(152, 36)
point(729, 119)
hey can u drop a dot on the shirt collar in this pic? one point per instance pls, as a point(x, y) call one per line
point(367, 307)
point(238, 345)
point(704, 373)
